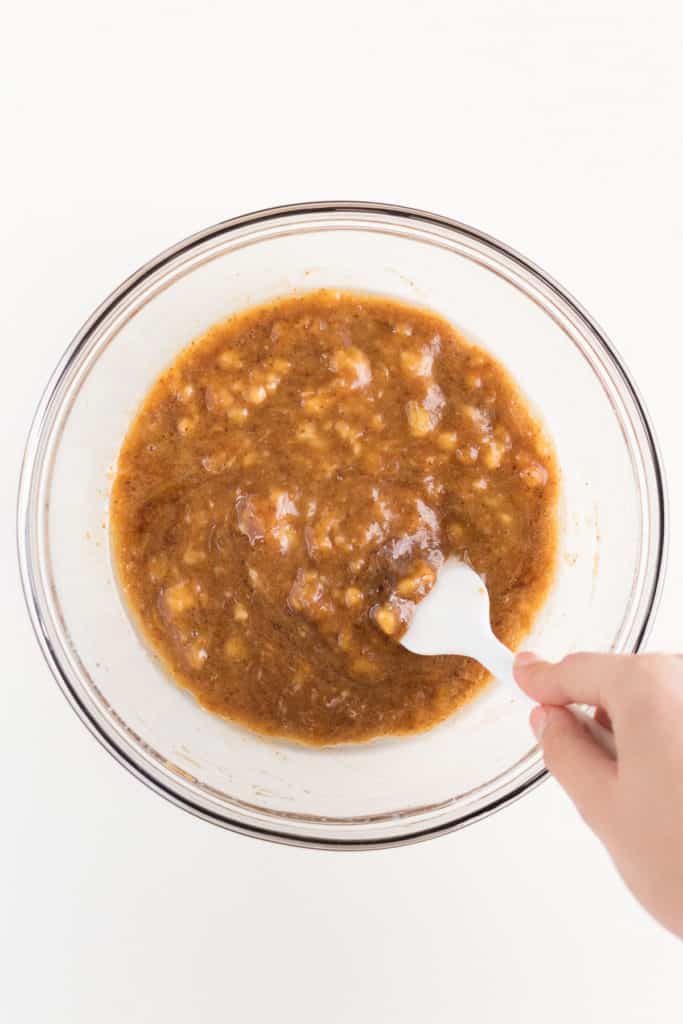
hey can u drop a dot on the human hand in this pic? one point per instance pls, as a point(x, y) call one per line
point(634, 804)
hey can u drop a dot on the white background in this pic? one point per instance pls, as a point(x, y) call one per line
point(554, 126)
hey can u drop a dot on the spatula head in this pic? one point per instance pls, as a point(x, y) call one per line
point(454, 616)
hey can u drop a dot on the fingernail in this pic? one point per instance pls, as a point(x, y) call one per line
point(525, 658)
point(538, 721)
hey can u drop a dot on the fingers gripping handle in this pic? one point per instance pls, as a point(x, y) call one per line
point(500, 660)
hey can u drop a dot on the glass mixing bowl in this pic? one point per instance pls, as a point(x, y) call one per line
point(389, 791)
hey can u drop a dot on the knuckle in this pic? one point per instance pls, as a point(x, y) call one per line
point(566, 669)
point(572, 661)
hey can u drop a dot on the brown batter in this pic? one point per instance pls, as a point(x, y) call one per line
point(289, 490)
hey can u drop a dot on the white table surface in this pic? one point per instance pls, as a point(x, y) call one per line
point(556, 127)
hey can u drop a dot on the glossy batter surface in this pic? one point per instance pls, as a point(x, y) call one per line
point(290, 488)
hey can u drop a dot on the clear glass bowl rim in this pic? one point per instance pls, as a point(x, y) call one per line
point(39, 434)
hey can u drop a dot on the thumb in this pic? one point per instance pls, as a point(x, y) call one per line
point(582, 768)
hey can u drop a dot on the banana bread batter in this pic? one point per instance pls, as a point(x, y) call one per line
point(291, 486)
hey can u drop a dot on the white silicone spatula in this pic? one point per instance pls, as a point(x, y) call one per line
point(454, 619)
